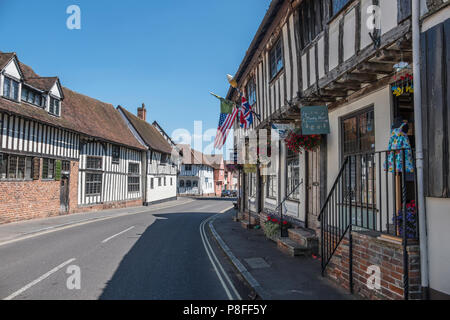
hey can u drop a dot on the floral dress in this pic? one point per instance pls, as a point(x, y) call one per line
point(399, 140)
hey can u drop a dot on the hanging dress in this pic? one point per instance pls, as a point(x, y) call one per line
point(399, 140)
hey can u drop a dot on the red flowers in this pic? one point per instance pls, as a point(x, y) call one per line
point(296, 142)
point(273, 219)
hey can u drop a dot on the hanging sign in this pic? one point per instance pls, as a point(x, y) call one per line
point(249, 168)
point(315, 120)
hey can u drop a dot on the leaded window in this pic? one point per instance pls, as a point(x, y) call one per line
point(94, 163)
point(251, 91)
point(276, 58)
point(11, 89)
point(115, 154)
point(93, 184)
point(14, 167)
point(54, 106)
point(311, 16)
point(134, 181)
point(48, 169)
point(293, 176)
point(272, 186)
point(32, 96)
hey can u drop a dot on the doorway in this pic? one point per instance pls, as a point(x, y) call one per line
point(64, 194)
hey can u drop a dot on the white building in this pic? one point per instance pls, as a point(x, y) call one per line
point(161, 172)
point(196, 175)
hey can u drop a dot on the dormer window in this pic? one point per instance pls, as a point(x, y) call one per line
point(54, 106)
point(32, 96)
point(11, 89)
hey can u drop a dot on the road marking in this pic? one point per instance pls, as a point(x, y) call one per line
point(225, 210)
point(117, 234)
point(84, 222)
point(211, 255)
point(43, 277)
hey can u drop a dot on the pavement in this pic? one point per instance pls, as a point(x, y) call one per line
point(270, 273)
point(144, 253)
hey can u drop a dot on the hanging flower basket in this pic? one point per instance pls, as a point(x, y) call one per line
point(296, 142)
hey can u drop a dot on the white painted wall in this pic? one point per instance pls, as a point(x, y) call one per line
point(163, 192)
point(12, 70)
point(381, 100)
point(389, 12)
point(334, 43)
point(349, 34)
point(55, 91)
point(438, 219)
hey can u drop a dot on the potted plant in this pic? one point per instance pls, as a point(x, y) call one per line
point(273, 227)
point(410, 220)
point(296, 142)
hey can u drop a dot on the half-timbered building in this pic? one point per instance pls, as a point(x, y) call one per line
point(160, 167)
point(354, 58)
point(196, 176)
point(60, 151)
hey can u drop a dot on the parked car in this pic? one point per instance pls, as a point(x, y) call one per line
point(225, 193)
point(233, 193)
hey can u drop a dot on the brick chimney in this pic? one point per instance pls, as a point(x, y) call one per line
point(142, 113)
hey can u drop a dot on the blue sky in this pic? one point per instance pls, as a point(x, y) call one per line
point(168, 54)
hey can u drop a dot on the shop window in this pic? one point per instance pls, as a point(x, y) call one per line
point(358, 135)
point(188, 184)
point(272, 186)
point(181, 183)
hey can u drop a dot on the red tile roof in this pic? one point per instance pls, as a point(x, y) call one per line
point(79, 113)
point(151, 136)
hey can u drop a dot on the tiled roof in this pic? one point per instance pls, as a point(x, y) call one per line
point(151, 136)
point(4, 58)
point(44, 84)
point(79, 113)
point(197, 157)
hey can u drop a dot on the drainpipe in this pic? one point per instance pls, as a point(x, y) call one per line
point(423, 235)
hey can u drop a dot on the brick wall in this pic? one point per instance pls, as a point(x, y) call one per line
point(26, 200)
point(369, 251)
point(110, 205)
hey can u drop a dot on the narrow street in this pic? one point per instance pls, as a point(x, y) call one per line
point(151, 255)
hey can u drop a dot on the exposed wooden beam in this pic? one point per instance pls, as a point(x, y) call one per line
point(350, 85)
point(376, 68)
point(361, 77)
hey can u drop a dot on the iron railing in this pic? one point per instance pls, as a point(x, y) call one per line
point(374, 191)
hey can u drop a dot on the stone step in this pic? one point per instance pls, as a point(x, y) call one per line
point(246, 225)
point(292, 248)
point(305, 238)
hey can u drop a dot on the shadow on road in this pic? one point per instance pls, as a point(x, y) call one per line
point(167, 262)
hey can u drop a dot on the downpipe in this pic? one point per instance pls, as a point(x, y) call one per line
point(423, 234)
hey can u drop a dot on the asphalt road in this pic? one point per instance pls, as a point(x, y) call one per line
point(152, 255)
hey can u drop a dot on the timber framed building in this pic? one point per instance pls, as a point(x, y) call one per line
point(347, 206)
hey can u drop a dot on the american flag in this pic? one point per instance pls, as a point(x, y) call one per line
point(226, 121)
point(246, 116)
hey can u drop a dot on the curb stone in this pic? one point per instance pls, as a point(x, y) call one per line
point(252, 282)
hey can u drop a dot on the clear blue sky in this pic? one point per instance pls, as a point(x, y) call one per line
point(168, 54)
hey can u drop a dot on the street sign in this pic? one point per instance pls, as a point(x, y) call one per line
point(315, 120)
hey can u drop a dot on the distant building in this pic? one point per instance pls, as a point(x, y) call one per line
point(197, 174)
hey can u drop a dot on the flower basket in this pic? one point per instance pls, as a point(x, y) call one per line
point(273, 226)
point(411, 222)
point(296, 142)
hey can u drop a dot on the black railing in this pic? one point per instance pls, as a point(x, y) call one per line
point(374, 191)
